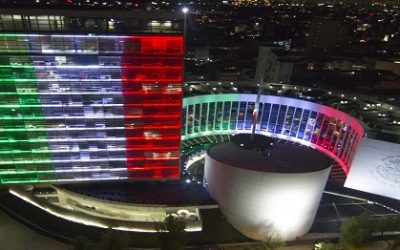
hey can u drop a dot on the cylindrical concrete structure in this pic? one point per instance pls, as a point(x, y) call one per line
point(275, 193)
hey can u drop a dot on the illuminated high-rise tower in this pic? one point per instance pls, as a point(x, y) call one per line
point(89, 95)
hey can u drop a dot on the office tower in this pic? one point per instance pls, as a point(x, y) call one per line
point(84, 96)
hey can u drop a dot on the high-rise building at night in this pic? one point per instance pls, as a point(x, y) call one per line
point(324, 35)
point(89, 97)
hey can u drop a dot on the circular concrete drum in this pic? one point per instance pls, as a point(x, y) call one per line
point(267, 191)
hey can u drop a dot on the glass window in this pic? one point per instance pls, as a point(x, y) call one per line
point(226, 115)
point(273, 118)
point(296, 122)
point(303, 124)
point(281, 119)
point(196, 118)
point(234, 115)
point(242, 115)
point(288, 121)
point(317, 128)
point(311, 121)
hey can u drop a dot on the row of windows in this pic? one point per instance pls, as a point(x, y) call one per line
point(81, 156)
point(328, 132)
point(84, 24)
point(50, 62)
point(69, 44)
point(98, 172)
point(89, 99)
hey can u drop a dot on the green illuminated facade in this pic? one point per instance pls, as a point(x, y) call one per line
point(24, 150)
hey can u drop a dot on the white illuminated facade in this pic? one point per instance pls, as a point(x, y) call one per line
point(266, 203)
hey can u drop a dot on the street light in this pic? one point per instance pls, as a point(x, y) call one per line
point(185, 10)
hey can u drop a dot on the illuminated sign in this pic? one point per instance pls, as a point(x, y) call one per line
point(376, 168)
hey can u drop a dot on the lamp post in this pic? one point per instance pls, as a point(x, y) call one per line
point(185, 10)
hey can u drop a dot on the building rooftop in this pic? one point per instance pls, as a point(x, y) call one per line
point(177, 193)
point(283, 157)
point(125, 14)
point(90, 21)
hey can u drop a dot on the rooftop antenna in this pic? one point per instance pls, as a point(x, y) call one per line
point(256, 110)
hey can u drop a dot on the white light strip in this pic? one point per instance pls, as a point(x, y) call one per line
point(64, 66)
point(66, 129)
point(87, 221)
point(134, 229)
point(57, 214)
point(73, 36)
point(77, 80)
point(91, 150)
point(90, 170)
point(67, 93)
point(69, 139)
point(93, 93)
point(80, 67)
point(71, 117)
point(63, 161)
point(195, 159)
point(86, 80)
point(92, 179)
point(61, 105)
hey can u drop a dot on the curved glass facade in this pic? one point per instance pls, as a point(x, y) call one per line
point(323, 128)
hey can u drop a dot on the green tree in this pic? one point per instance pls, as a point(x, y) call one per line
point(270, 243)
point(326, 246)
point(356, 233)
point(82, 243)
point(172, 235)
point(112, 240)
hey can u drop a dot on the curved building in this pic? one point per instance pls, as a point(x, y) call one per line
point(325, 129)
point(267, 193)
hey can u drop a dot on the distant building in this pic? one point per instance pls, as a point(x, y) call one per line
point(392, 66)
point(198, 51)
point(250, 2)
point(324, 35)
point(274, 64)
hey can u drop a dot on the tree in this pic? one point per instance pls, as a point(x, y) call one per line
point(112, 240)
point(271, 243)
point(326, 246)
point(172, 235)
point(388, 224)
point(356, 233)
point(82, 243)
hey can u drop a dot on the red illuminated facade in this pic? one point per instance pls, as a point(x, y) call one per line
point(151, 85)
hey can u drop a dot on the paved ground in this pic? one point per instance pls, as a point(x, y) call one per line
point(16, 236)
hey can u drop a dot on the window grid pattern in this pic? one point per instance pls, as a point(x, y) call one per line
point(85, 107)
point(328, 130)
point(60, 23)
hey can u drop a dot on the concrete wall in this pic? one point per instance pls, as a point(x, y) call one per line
point(260, 204)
